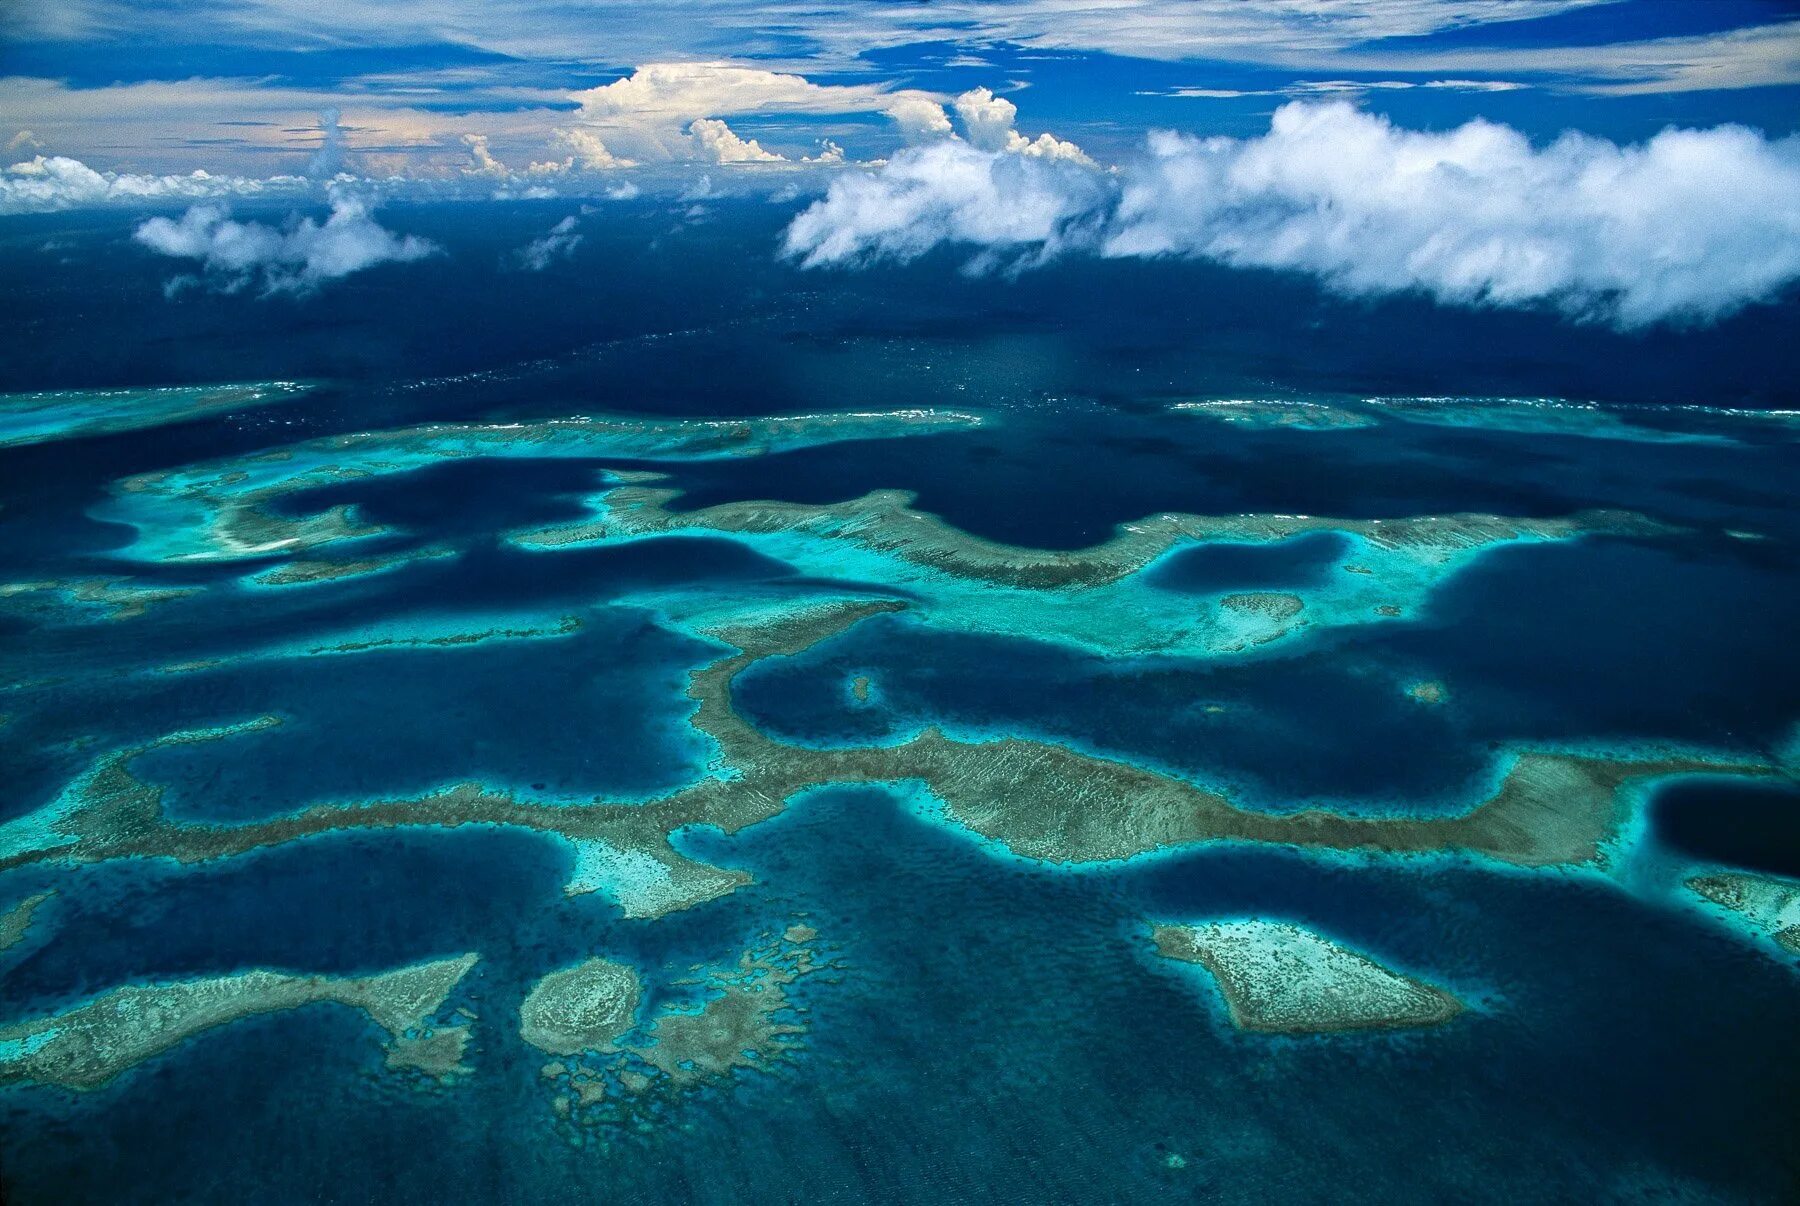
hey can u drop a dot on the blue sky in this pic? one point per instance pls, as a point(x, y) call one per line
point(236, 86)
point(1626, 161)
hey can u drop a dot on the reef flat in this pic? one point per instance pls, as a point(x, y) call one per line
point(1592, 420)
point(118, 599)
point(87, 1046)
point(36, 418)
point(224, 510)
point(1276, 414)
point(1765, 904)
point(616, 1066)
point(15, 923)
point(968, 583)
point(1037, 799)
point(1281, 978)
point(582, 1008)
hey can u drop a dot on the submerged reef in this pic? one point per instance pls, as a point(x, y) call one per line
point(1281, 978)
point(582, 1008)
point(120, 599)
point(968, 583)
point(1765, 904)
point(15, 922)
point(87, 1046)
point(1637, 422)
point(1257, 619)
point(743, 1019)
point(1427, 691)
point(225, 510)
point(884, 521)
point(37, 418)
point(1288, 415)
point(1640, 422)
point(1037, 799)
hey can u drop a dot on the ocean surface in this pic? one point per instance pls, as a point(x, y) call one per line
point(332, 677)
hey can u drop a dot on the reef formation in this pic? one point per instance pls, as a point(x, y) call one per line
point(87, 1046)
point(227, 510)
point(1281, 978)
point(618, 1066)
point(1767, 905)
point(1036, 799)
point(36, 418)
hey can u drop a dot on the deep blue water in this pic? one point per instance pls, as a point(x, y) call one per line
point(1754, 825)
point(997, 1030)
point(1209, 568)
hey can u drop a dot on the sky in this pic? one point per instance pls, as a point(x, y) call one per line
point(1632, 160)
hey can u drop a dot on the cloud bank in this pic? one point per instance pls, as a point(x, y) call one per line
point(1689, 226)
point(673, 112)
point(297, 258)
point(56, 182)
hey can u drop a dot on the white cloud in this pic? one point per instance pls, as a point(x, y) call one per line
point(1755, 57)
point(57, 182)
point(481, 159)
point(328, 160)
point(720, 144)
point(988, 125)
point(674, 111)
point(987, 119)
point(559, 244)
point(839, 31)
point(950, 192)
point(1315, 88)
point(297, 258)
point(1692, 225)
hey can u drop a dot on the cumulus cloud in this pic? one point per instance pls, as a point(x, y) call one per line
point(41, 183)
point(720, 144)
point(559, 244)
point(296, 258)
point(586, 151)
point(1691, 225)
point(481, 159)
point(665, 112)
point(328, 160)
point(988, 125)
point(1004, 203)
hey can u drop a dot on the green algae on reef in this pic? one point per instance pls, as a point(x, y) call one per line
point(1281, 978)
point(1765, 904)
point(37, 418)
point(87, 1046)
